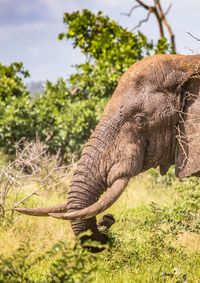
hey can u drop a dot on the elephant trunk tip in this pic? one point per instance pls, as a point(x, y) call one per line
point(94, 243)
point(99, 238)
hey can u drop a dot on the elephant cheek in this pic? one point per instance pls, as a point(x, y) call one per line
point(129, 164)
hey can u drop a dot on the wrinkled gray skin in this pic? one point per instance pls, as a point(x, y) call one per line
point(142, 127)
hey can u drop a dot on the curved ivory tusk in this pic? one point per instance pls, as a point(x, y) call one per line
point(43, 211)
point(101, 205)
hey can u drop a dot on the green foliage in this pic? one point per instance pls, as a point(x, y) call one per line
point(11, 83)
point(146, 244)
point(164, 181)
point(163, 47)
point(69, 264)
point(184, 213)
point(14, 269)
point(102, 38)
point(65, 124)
point(109, 48)
point(16, 121)
point(16, 113)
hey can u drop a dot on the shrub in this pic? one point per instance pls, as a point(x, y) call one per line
point(70, 264)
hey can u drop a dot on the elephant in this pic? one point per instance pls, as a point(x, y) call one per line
point(152, 120)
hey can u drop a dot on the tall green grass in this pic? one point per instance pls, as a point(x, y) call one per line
point(156, 238)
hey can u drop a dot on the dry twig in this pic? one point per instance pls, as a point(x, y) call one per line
point(33, 167)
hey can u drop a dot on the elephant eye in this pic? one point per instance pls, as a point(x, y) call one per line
point(140, 120)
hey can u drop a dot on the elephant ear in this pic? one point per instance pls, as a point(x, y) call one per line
point(187, 160)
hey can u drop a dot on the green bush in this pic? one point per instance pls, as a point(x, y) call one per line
point(11, 81)
point(156, 178)
point(16, 114)
point(15, 268)
point(65, 124)
point(71, 265)
point(64, 263)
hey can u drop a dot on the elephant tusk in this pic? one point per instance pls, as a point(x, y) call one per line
point(60, 211)
point(42, 211)
point(101, 205)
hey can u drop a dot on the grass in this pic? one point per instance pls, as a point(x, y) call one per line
point(156, 239)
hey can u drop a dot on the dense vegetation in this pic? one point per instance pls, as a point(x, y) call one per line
point(68, 110)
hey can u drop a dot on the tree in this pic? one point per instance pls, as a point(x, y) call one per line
point(109, 49)
point(160, 15)
point(11, 81)
point(62, 123)
point(16, 116)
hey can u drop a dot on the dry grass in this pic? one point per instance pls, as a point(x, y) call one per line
point(190, 241)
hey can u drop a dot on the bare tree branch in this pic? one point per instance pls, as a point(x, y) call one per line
point(131, 11)
point(165, 22)
point(198, 39)
point(168, 9)
point(142, 21)
point(143, 4)
point(153, 10)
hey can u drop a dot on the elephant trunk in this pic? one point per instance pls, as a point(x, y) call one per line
point(80, 196)
point(84, 191)
point(87, 185)
point(83, 201)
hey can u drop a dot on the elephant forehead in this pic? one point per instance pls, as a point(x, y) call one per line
point(147, 100)
point(153, 75)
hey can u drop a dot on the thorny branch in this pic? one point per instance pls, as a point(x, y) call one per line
point(160, 15)
point(184, 139)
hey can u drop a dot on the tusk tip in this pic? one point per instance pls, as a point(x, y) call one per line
point(18, 209)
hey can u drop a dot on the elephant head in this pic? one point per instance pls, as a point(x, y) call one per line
point(151, 120)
